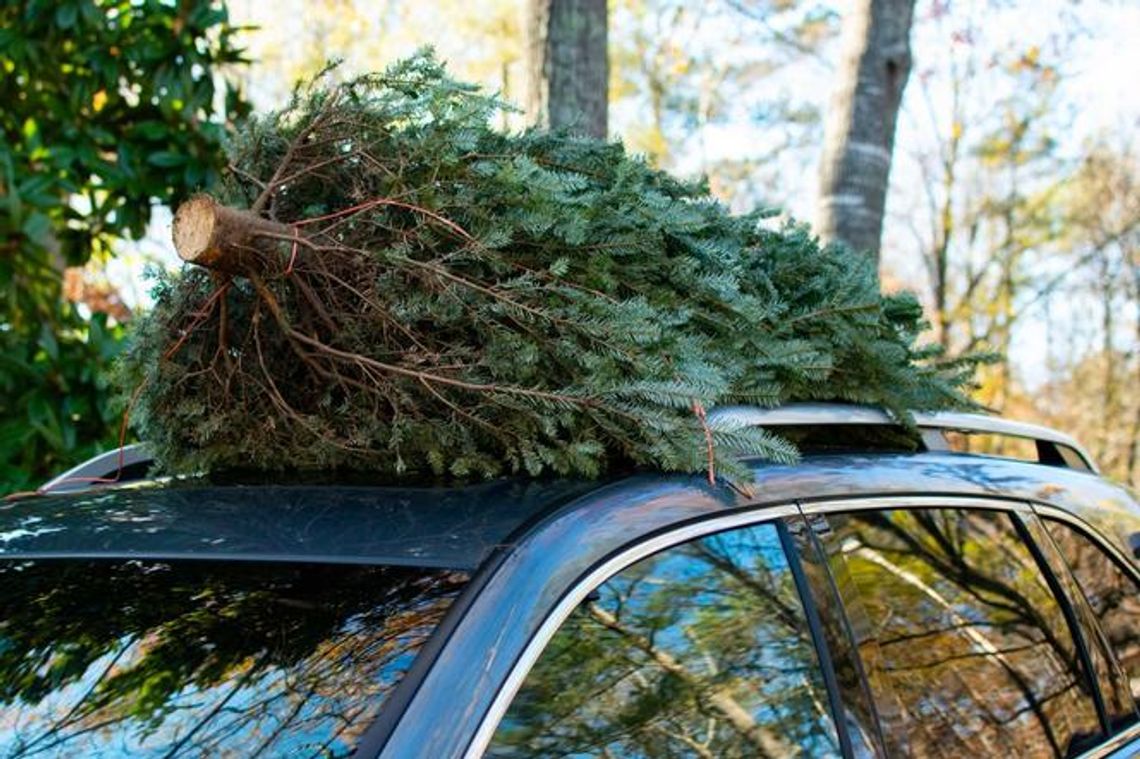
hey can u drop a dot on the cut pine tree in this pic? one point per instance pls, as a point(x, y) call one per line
point(387, 283)
point(232, 240)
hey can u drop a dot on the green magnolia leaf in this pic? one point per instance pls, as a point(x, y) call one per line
point(49, 344)
point(166, 159)
point(70, 137)
point(37, 227)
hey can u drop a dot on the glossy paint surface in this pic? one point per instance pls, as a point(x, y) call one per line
point(549, 535)
point(422, 527)
point(545, 563)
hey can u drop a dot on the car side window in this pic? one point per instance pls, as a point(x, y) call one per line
point(699, 650)
point(1119, 707)
point(966, 648)
point(1111, 591)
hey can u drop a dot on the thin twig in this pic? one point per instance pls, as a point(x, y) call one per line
point(702, 417)
point(267, 193)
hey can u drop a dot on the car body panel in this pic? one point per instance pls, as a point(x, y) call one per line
point(550, 560)
point(441, 527)
point(537, 543)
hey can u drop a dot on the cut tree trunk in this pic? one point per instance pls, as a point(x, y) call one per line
point(231, 240)
point(566, 65)
point(860, 130)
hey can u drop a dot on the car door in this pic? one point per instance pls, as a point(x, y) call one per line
point(971, 630)
point(913, 626)
point(705, 648)
point(1106, 587)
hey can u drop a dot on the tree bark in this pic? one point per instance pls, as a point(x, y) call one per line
point(231, 240)
point(860, 130)
point(567, 67)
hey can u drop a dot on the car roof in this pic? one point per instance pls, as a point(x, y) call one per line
point(447, 527)
point(458, 527)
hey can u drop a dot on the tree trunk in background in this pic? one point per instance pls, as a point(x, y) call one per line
point(860, 129)
point(566, 65)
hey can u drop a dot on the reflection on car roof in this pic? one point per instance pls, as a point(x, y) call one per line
point(454, 527)
point(458, 527)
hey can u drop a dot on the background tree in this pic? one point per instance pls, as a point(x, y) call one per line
point(860, 132)
point(986, 221)
point(1024, 219)
point(702, 88)
point(109, 108)
point(567, 65)
point(1095, 391)
point(482, 41)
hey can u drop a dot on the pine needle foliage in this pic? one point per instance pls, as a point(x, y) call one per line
point(466, 303)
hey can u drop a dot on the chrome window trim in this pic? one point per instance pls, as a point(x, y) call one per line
point(602, 572)
point(1114, 744)
point(857, 503)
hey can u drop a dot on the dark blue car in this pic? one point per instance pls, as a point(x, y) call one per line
point(892, 594)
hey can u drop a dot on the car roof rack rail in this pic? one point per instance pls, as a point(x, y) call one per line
point(113, 467)
point(1052, 447)
point(132, 462)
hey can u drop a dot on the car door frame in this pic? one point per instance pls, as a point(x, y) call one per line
point(1126, 743)
point(1117, 745)
point(602, 572)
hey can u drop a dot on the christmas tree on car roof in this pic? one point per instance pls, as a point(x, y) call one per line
point(387, 283)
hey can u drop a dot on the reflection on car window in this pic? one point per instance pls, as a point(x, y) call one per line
point(204, 659)
point(1120, 709)
point(968, 651)
point(1112, 593)
point(701, 650)
point(828, 589)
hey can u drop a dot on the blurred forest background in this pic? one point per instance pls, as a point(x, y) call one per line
point(1013, 206)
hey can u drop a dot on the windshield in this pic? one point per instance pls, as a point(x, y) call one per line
point(196, 658)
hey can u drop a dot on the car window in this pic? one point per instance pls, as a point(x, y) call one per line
point(1111, 592)
point(829, 588)
point(700, 650)
point(205, 659)
point(966, 648)
point(1120, 708)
